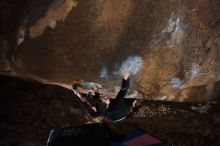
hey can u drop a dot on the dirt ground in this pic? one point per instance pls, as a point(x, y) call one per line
point(29, 110)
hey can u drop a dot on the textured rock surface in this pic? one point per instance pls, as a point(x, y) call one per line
point(178, 43)
point(57, 10)
point(35, 109)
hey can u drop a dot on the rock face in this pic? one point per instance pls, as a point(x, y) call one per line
point(171, 47)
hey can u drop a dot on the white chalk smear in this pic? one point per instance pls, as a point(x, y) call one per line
point(175, 28)
point(178, 32)
point(170, 25)
point(163, 97)
point(104, 73)
point(132, 63)
point(91, 85)
point(195, 70)
point(178, 25)
point(176, 82)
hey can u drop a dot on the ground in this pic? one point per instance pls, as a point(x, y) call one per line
point(29, 110)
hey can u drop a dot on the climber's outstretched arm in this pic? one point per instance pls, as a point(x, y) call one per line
point(125, 84)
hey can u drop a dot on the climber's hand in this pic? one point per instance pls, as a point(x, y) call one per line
point(125, 73)
point(94, 109)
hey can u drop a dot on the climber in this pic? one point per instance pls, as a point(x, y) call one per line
point(111, 108)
